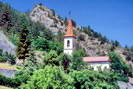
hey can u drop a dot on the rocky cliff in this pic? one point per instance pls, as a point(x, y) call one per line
point(48, 18)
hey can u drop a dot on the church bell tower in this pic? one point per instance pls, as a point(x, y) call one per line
point(69, 39)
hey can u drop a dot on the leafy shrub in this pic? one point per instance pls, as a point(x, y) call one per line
point(51, 58)
point(4, 57)
point(119, 66)
point(14, 38)
point(86, 79)
point(43, 44)
point(49, 78)
point(9, 81)
point(22, 76)
point(11, 59)
point(77, 62)
point(65, 61)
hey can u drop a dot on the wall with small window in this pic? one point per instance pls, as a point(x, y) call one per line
point(69, 43)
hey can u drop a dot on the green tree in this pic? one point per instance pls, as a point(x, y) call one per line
point(40, 43)
point(5, 19)
point(118, 65)
point(115, 43)
point(77, 62)
point(65, 61)
point(43, 44)
point(24, 43)
point(51, 58)
point(87, 30)
point(5, 57)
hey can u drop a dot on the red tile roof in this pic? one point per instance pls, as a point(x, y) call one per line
point(70, 28)
point(96, 59)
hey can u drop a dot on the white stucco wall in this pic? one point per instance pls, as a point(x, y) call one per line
point(69, 50)
point(102, 65)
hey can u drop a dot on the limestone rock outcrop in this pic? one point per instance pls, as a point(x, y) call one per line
point(48, 18)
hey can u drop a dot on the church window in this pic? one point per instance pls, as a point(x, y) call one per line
point(68, 43)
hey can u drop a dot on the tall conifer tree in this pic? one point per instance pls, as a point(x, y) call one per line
point(24, 43)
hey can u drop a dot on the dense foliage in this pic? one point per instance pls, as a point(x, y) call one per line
point(53, 77)
point(5, 57)
point(119, 66)
point(40, 43)
point(12, 82)
point(77, 62)
point(86, 79)
point(49, 78)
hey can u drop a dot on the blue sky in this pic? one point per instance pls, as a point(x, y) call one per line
point(112, 18)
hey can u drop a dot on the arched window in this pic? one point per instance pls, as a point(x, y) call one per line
point(68, 43)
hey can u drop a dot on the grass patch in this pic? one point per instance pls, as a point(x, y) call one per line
point(3, 87)
point(7, 66)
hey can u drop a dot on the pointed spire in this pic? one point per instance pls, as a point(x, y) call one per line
point(70, 28)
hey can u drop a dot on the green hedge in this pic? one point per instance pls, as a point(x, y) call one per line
point(3, 59)
point(9, 81)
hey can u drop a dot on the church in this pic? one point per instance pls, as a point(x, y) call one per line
point(96, 62)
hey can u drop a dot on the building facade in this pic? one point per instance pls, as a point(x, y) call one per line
point(99, 62)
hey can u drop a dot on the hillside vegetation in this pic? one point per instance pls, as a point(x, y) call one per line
point(52, 69)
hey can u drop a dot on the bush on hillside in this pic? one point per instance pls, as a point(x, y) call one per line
point(51, 58)
point(43, 44)
point(86, 79)
point(12, 82)
point(119, 66)
point(65, 61)
point(77, 62)
point(51, 78)
point(5, 57)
